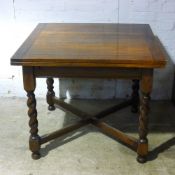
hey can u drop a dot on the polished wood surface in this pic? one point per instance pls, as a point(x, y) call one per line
point(91, 45)
point(125, 51)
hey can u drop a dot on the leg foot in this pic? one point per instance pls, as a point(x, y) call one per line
point(141, 159)
point(51, 107)
point(36, 155)
point(50, 94)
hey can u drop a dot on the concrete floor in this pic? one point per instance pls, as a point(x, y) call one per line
point(86, 151)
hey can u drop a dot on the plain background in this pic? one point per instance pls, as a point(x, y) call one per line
point(19, 17)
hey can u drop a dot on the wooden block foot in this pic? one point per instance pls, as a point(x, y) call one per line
point(141, 159)
point(51, 108)
point(36, 155)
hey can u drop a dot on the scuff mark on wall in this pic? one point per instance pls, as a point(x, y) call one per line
point(14, 10)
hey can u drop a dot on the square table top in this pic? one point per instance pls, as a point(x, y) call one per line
point(91, 45)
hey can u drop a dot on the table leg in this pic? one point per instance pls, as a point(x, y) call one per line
point(29, 85)
point(146, 87)
point(50, 94)
point(135, 96)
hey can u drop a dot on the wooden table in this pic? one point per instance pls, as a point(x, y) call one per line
point(121, 51)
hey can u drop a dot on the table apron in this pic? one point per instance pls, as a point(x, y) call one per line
point(76, 72)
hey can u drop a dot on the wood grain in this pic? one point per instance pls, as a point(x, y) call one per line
point(91, 45)
point(126, 51)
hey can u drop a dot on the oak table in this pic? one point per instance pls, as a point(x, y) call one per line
point(120, 51)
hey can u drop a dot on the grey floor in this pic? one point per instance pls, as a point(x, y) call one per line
point(86, 151)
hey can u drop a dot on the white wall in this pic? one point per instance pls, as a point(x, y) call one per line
point(19, 17)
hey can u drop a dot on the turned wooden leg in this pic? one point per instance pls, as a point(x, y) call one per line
point(135, 96)
point(34, 140)
point(50, 94)
point(29, 86)
point(143, 128)
point(146, 87)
